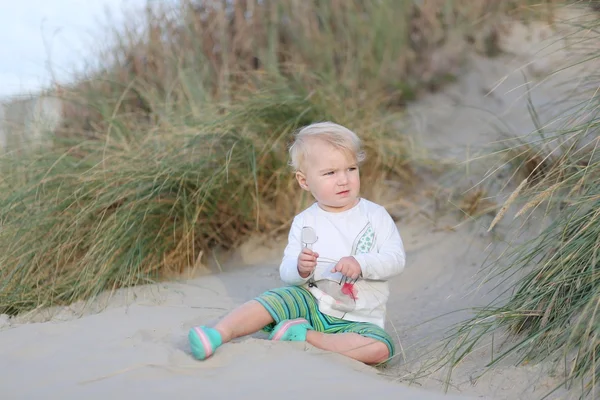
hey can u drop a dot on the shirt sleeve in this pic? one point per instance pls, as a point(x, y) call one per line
point(288, 269)
point(390, 259)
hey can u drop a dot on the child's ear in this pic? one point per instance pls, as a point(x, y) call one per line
point(301, 178)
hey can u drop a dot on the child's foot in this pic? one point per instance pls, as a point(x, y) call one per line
point(291, 330)
point(204, 341)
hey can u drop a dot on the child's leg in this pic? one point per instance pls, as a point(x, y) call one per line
point(244, 320)
point(365, 349)
point(361, 341)
point(248, 318)
point(364, 342)
point(266, 311)
point(261, 313)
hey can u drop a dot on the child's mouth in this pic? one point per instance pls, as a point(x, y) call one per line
point(344, 193)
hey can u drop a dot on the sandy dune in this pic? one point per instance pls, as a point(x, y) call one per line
point(138, 342)
point(142, 349)
point(137, 345)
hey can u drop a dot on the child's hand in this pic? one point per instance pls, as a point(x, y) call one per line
point(349, 267)
point(307, 262)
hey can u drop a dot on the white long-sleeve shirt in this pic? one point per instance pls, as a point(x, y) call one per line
point(366, 232)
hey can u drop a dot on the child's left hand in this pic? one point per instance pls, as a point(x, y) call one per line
point(349, 267)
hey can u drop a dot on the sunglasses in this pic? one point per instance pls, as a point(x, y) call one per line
point(309, 237)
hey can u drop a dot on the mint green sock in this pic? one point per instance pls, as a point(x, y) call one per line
point(291, 330)
point(204, 341)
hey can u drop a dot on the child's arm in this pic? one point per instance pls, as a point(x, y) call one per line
point(391, 258)
point(288, 269)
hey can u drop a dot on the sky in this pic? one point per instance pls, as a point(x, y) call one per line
point(38, 34)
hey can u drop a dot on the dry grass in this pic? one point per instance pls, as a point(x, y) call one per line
point(196, 53)
point(551, 312)
point(145, 204)
point(174, 142)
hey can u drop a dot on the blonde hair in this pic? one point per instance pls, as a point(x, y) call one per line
point(334, 134)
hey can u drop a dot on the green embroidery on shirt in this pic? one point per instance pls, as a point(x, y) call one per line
point(365, 241)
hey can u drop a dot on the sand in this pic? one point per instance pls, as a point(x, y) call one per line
point(142, 348)
point(136, 340)
point(133, 343)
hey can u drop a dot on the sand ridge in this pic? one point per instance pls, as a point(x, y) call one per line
point(135, 341)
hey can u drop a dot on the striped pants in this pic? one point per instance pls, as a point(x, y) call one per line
point(296, 302)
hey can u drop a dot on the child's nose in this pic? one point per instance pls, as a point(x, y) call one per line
point(342, 178)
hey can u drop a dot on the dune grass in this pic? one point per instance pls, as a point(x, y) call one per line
point(551, 312)
point(173, 142)
point(143, 205)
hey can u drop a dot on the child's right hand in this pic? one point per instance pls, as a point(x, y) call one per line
point(307, 262)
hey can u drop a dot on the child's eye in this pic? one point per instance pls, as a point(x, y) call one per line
point(352, 169)
point(328, 173)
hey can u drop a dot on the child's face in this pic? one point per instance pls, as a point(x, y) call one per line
point(331, 175)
